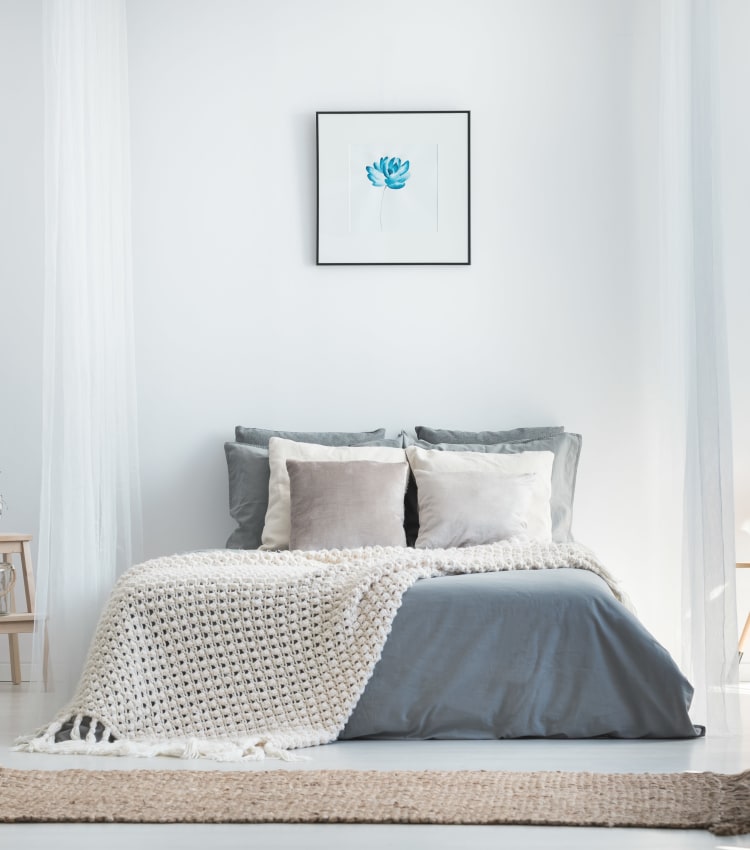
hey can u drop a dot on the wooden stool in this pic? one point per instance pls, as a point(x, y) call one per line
point(13, 624)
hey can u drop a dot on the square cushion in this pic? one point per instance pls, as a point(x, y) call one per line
point(471, 507)
point(346, 504)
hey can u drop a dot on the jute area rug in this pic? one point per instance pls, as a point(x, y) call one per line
point(718, 802)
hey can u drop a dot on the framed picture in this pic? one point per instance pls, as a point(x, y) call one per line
point(393, 188)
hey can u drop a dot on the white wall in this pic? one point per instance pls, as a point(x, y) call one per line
point(552, 323)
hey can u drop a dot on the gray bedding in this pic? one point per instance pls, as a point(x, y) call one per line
point(546, 653)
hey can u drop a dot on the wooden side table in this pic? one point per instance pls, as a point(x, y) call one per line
point(14, 623)
point(745, 636)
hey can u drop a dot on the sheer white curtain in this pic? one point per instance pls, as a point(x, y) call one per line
point(695, 371)
point(90, 500)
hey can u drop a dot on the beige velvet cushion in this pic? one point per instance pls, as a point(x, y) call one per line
point(346, 504)
point(468, 498)
point(277, 526)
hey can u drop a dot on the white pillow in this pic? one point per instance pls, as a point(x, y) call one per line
point(434, 470)
point(471, 507)
point(277, 528)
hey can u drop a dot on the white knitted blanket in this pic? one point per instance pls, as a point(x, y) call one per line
point(240, 654)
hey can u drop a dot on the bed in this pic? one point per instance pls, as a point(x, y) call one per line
point(319, 622)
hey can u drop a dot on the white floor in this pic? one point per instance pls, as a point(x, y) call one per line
point(22, 711)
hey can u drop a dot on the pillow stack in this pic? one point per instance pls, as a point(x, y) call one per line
point(340, 513)
point(250, 472)
point(335, 490)
point(565, 447)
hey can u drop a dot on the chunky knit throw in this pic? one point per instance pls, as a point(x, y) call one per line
point(241, 654)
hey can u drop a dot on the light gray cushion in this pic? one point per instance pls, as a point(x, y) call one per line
point(471, 507)
point(444, 435)
point(567, 450)
point(261, 436)
point(249, 474)
point(346, 504)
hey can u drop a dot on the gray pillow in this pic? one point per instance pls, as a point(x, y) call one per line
point(249, 474)
point(471, 507)
point(346, 504)
point(442, 435)
point(261, 436)
point(567, 451)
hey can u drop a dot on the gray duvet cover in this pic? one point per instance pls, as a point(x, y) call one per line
point(548, 653)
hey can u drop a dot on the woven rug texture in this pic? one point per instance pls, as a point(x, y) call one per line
point(717, 802)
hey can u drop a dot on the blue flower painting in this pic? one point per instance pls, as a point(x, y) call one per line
point(390, 172)
point(392, 187)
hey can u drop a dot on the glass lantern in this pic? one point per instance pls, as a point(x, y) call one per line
point(7, 581)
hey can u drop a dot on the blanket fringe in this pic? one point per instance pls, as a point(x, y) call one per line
point(734, 806)
point(220, 749)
